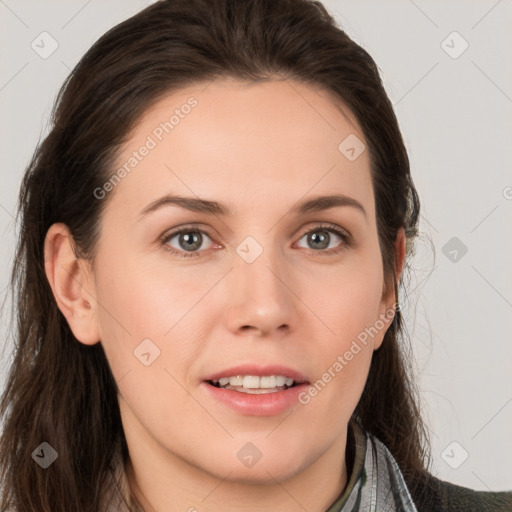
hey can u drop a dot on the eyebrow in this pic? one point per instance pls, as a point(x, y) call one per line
point(312, 205)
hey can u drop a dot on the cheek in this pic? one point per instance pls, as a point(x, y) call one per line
point(153, 323)
point(347, 303)
point(144, 298)
point(346, 298)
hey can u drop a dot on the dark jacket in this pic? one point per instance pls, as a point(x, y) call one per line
point(437, 495)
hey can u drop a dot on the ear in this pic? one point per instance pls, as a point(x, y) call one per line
point(388, 302)
point(72, 284)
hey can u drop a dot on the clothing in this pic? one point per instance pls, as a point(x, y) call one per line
point(376, 484)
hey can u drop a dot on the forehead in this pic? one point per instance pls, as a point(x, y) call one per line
point(247, 143)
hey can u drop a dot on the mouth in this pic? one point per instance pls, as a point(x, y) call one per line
point(254, 384)
point(254, 390)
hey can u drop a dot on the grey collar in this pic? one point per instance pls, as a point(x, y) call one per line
point(376, 484)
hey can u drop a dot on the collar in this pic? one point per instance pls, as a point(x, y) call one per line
point(376, 483)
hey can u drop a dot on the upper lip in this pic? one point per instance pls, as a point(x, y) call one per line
point(260, 371)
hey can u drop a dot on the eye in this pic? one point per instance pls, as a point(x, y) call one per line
point(320, 239)
point(189, 240)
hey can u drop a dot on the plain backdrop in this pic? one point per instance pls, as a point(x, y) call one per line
point(447, 68)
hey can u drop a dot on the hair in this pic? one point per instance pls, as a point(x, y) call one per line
point(61, 391)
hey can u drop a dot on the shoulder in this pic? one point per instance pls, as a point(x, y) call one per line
point(437, 495)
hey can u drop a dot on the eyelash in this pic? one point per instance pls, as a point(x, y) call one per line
point(347, 240)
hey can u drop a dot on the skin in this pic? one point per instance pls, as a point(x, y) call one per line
point(259, 148)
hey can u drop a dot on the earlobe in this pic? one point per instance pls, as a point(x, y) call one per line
point(71, 282)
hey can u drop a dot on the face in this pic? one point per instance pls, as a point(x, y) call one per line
point(252, 286)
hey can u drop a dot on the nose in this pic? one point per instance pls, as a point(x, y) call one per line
point(260, 296)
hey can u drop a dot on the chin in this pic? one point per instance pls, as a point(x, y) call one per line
point(265, 470)
point(263, 475)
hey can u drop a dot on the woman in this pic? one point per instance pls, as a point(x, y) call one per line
point(213, 237)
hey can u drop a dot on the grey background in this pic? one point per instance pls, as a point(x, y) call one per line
point(455, 115)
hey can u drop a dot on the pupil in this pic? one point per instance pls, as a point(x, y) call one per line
point(191, 240)
point(322, 238)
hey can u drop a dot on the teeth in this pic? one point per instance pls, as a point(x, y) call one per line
point(255, 382)
point(267, 382)
point(236, 381)
point(251, 382)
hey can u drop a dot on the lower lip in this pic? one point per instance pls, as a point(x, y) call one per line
point(266, 404)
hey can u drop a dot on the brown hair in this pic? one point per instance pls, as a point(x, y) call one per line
point(63, 392)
